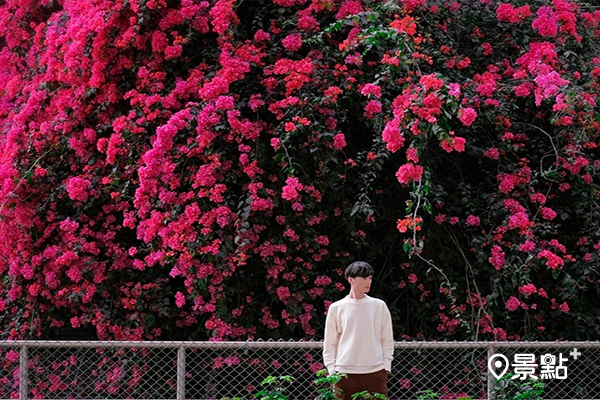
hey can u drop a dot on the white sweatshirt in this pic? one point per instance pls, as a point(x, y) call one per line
point(358, 336)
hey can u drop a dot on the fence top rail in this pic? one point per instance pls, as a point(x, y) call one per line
point(288, 344)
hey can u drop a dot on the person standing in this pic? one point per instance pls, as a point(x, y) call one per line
point(359, 339)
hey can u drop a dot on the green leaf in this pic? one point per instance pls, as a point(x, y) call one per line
point(268, 380)
point(150, 320)
point(427, 207)
point(29, 176)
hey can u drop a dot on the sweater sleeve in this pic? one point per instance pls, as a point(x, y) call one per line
point(387, 339)
point(331, 341)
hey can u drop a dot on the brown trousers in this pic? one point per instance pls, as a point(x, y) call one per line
point(374, 382)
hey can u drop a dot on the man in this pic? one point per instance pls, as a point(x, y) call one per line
point(359, 338)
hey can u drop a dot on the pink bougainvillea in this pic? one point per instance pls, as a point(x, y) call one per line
point(206, 169)
point(467, 116)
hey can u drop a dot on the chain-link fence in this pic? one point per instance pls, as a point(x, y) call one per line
point(217, 370)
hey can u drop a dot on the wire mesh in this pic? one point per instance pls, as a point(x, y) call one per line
point(102, 373)
point(219, 370)
point(582, 373)
point(9, 373)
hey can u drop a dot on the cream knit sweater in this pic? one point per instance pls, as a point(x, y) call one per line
point(358, 336)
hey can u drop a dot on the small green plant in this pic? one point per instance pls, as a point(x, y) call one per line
point(327, 388)
point(427, 395)
point(366, 395)
point(507, 388)
point(274, 388)
point(326, 384)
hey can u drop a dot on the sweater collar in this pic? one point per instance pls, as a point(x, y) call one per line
point(358, 301)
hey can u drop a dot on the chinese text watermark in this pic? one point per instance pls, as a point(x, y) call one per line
point(524, 365)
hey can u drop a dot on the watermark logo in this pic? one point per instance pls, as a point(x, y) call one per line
point(524, 365)
point(498, 365)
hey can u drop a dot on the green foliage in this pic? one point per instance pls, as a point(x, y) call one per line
point(325, 383)
point(274, 388)
point(507, 388)
point(366, 395)
point(427, 394)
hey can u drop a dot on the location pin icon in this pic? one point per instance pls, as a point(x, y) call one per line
point(496, 362)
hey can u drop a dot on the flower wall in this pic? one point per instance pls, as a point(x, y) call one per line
point(207, 169)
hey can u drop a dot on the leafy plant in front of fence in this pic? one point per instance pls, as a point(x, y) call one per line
point(366, 395)
point(326, 383)
point(328, 392)
point(274, 388)
point(508, 388)
point(429, 394)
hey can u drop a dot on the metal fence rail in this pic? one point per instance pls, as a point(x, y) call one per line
point(216, 370)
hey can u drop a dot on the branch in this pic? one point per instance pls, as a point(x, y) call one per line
point(551, 142)
point(12, 192)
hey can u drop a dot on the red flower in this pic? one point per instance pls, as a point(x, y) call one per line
point(512, 303)
point(261, 36)
point(431, 82)
point(545, 23)
point(497, 258)
point(179, 299)
point(492, 153)
point(371, 89)
point(290, 190)
point(408, 172)
point(339, 141)
point(472, 220)
point(548, 213)
point(292, 42)
point(78, 188)
point(507, 13)
point(467, 116)
point(527, 247)
point(350, 7)
point(373, 107)
point(528, 289)
point(552, 260)
point(411, 5)
point(405, 25)
point(518, 220)
point(463, 63)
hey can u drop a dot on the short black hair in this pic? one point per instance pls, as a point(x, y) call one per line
point(358, 268)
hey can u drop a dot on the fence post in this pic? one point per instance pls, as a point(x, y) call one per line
point(490, 377)
point(23, 373)
point(181, 373)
